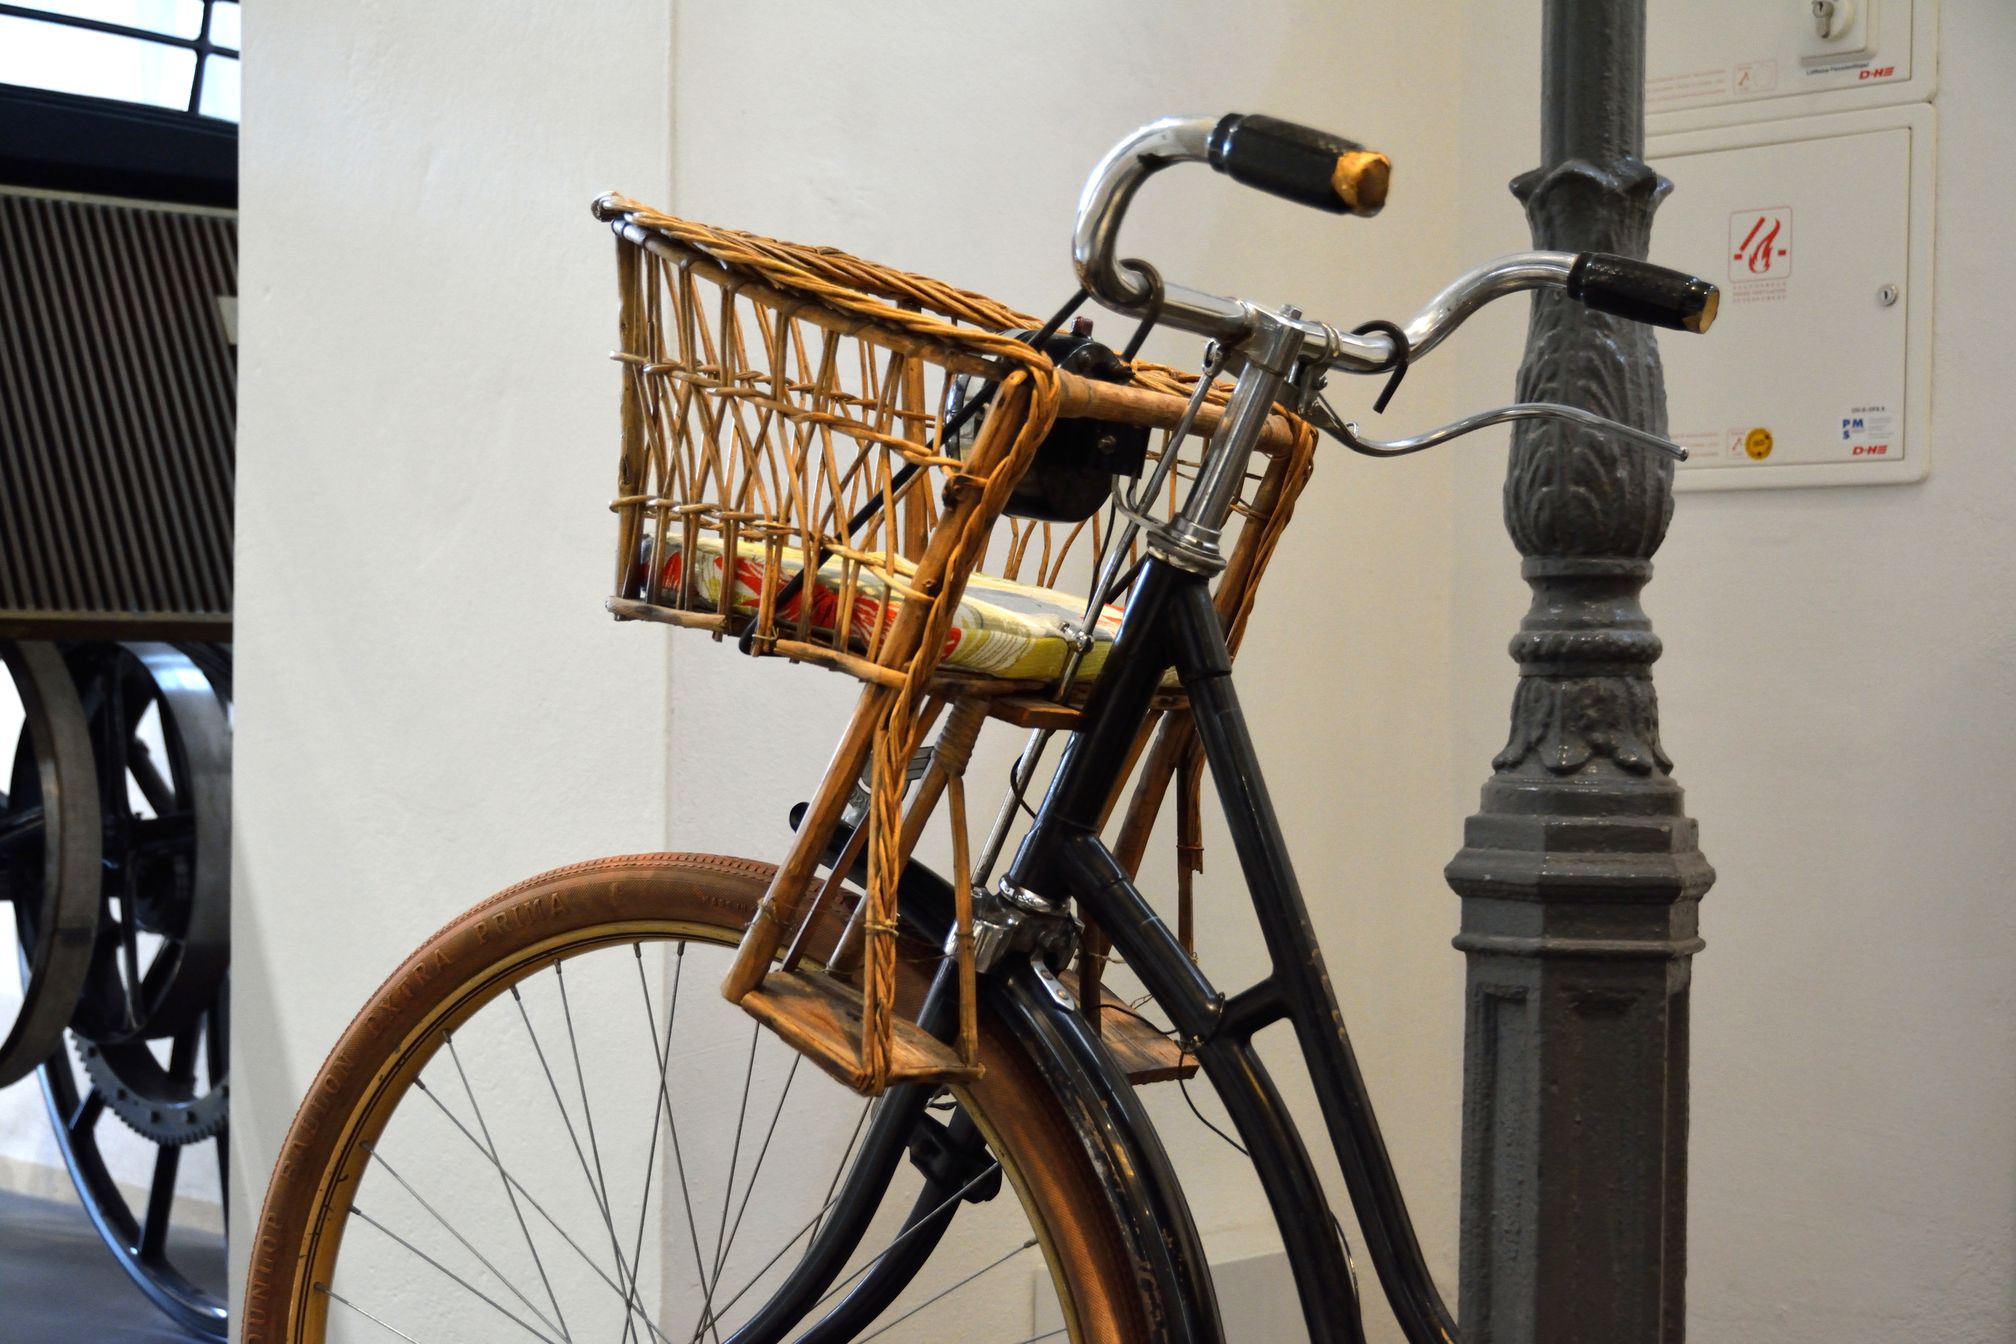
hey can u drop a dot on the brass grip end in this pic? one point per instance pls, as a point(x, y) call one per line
point(1360, 180)
point(1701, 321)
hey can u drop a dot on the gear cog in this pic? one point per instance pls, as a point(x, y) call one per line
point(139, 1091)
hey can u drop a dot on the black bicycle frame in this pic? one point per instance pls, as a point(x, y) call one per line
point(1171, 622)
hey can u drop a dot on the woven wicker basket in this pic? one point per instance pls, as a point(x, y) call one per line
point(780, 481)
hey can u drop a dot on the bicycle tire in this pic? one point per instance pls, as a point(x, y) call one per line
point(549, 921)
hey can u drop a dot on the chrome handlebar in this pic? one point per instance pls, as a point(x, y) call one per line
point(1110, 190)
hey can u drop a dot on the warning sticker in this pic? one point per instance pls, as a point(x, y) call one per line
point(1760, 244)
point(1754, 77)
point(1869, 432)
point(1760, 254)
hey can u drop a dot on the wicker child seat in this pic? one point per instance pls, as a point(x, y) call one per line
point(781, 481)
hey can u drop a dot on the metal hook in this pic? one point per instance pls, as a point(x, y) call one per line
point(1156, 293)
point(1403, 354)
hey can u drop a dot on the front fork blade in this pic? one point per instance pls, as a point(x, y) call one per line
point(888, 1139)
point(905, 1256)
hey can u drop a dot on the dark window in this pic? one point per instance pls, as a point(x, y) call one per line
point(132, 98)
point(179, 54)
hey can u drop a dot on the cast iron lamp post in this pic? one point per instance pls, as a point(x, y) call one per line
point(1580, 877)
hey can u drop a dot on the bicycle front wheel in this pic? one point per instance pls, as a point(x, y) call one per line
point(548, 1125)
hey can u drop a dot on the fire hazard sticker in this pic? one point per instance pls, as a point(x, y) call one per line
point(1760, 253)
point(1869, 432)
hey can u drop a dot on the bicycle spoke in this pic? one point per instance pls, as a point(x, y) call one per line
point(860, 1122)
point(168, 1160)
point(767, 1265)
point(735, 1151)
point(664, 1055)
point(335, 1296)
point(553, 1086)
point(531, 1200)
point(944, 1293)
point(489, 1149)
point(448, 1227)
point(757, 1169)
point(672, 1127)
point(900, 1238)
point(499, 1307)
point(912, 1230)
point(651, 1150)
point(595, 1148)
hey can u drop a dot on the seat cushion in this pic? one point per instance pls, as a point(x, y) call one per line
point(1013, 631)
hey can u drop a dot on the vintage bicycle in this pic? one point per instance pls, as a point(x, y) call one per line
point(547, 1123)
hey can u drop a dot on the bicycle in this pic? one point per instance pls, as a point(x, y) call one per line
point(770, 492)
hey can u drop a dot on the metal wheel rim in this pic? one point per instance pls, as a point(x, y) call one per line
point(182, 977)
point(57, 936)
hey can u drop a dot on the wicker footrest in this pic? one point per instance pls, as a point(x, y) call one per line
point(821, 1017)
point(1143, 1053)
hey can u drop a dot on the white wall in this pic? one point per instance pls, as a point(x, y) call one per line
point(431, 702)
point(1837, 693)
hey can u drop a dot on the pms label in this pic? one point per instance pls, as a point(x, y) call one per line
point(1869, 432)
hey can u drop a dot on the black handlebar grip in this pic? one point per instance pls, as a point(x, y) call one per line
point(1643, 292)
point(1326, 171)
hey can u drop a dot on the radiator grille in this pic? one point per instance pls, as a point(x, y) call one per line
point(117, 384)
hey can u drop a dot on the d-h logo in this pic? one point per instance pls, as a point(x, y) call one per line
point(1760, 244)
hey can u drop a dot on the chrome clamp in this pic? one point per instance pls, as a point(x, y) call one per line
point(1012, 919)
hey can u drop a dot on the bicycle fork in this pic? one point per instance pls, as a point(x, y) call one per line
point(1102, 1108)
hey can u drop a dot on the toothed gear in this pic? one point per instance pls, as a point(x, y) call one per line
point(138, 1090)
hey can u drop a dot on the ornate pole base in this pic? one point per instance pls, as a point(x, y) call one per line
point(1580, 880)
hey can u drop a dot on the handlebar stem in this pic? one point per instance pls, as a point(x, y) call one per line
point(1190, 539)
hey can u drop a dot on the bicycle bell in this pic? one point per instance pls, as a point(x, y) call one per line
point(1073, 472)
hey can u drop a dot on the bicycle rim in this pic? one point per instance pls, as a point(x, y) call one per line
point(489, 1152)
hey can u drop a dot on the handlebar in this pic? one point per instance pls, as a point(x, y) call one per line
point(1332, 173)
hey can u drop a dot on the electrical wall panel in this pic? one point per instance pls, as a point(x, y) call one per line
point(1819, 232)
point(1720, 62)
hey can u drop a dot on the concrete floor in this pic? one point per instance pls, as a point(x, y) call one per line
point(60, 1285)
